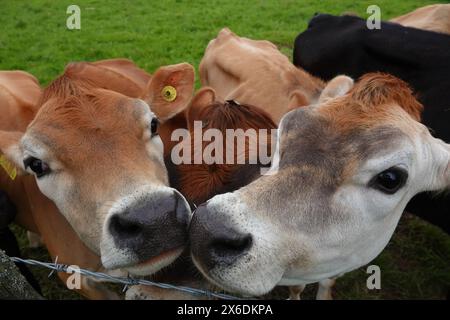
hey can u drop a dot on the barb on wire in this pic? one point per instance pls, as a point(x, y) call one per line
point(53, 270)
point(129, 281)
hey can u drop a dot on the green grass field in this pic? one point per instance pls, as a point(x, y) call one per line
point(34, 37)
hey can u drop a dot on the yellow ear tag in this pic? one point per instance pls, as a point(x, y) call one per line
point(169, 93)
point(8, 167)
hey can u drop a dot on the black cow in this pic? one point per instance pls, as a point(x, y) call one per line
point(334, 45)
point(8, 241)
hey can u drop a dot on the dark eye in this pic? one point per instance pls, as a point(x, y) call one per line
point(390, 180)
point(154, 126)
point(39, 167)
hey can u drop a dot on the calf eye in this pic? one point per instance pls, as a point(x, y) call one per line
point(390, 180)
point(39, 167)
point(154, 126)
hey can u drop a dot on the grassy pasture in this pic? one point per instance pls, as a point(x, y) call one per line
point(34, 37)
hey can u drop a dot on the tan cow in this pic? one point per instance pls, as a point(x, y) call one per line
point(435, 17)
point(341, 177)
point(80, 133)
point(255, 72)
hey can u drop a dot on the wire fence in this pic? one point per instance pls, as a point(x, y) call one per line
point(128, 281)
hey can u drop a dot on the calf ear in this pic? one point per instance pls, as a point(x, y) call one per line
point(447, 172)
point(204, 97)
point(296, 100)
point(23, 86)
point(170, 90)
point(441, 162)
point(336, 87)
point(11, 160)
point(375, 89)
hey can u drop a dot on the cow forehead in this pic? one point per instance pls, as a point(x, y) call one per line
point(93, 126)
point(316, 158)
point(102, 109)
point(330, 151)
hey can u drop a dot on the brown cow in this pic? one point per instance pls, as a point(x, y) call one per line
point(257, 73)
point(203, 105)
point(60, 112)
point(199, 182)
point(435, 17)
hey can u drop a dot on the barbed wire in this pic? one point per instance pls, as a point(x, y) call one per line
point(129, 281)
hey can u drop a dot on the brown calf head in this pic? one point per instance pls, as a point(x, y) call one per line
point(214, 174)
point(97, 155)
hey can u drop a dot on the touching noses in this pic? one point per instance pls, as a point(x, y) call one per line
point(214, 241)
point(153, 226)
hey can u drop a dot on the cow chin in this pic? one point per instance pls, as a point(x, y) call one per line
point(113, 258)
point(145, 230)
point(154, 264)
point(247, 277)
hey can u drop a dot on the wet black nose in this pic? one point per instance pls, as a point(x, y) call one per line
point(215, 240)
point(152, 227)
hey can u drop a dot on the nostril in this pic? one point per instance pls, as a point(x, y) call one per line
point(231, 247)
point(124, 228)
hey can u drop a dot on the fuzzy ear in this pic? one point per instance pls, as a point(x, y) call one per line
point(440, 170)
point(447, 170)
point(336, 87)
point(169, 91)
point(11, 161)
point(23, 86)
point(203, 98)
point(374, 89)
point(296, 100)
